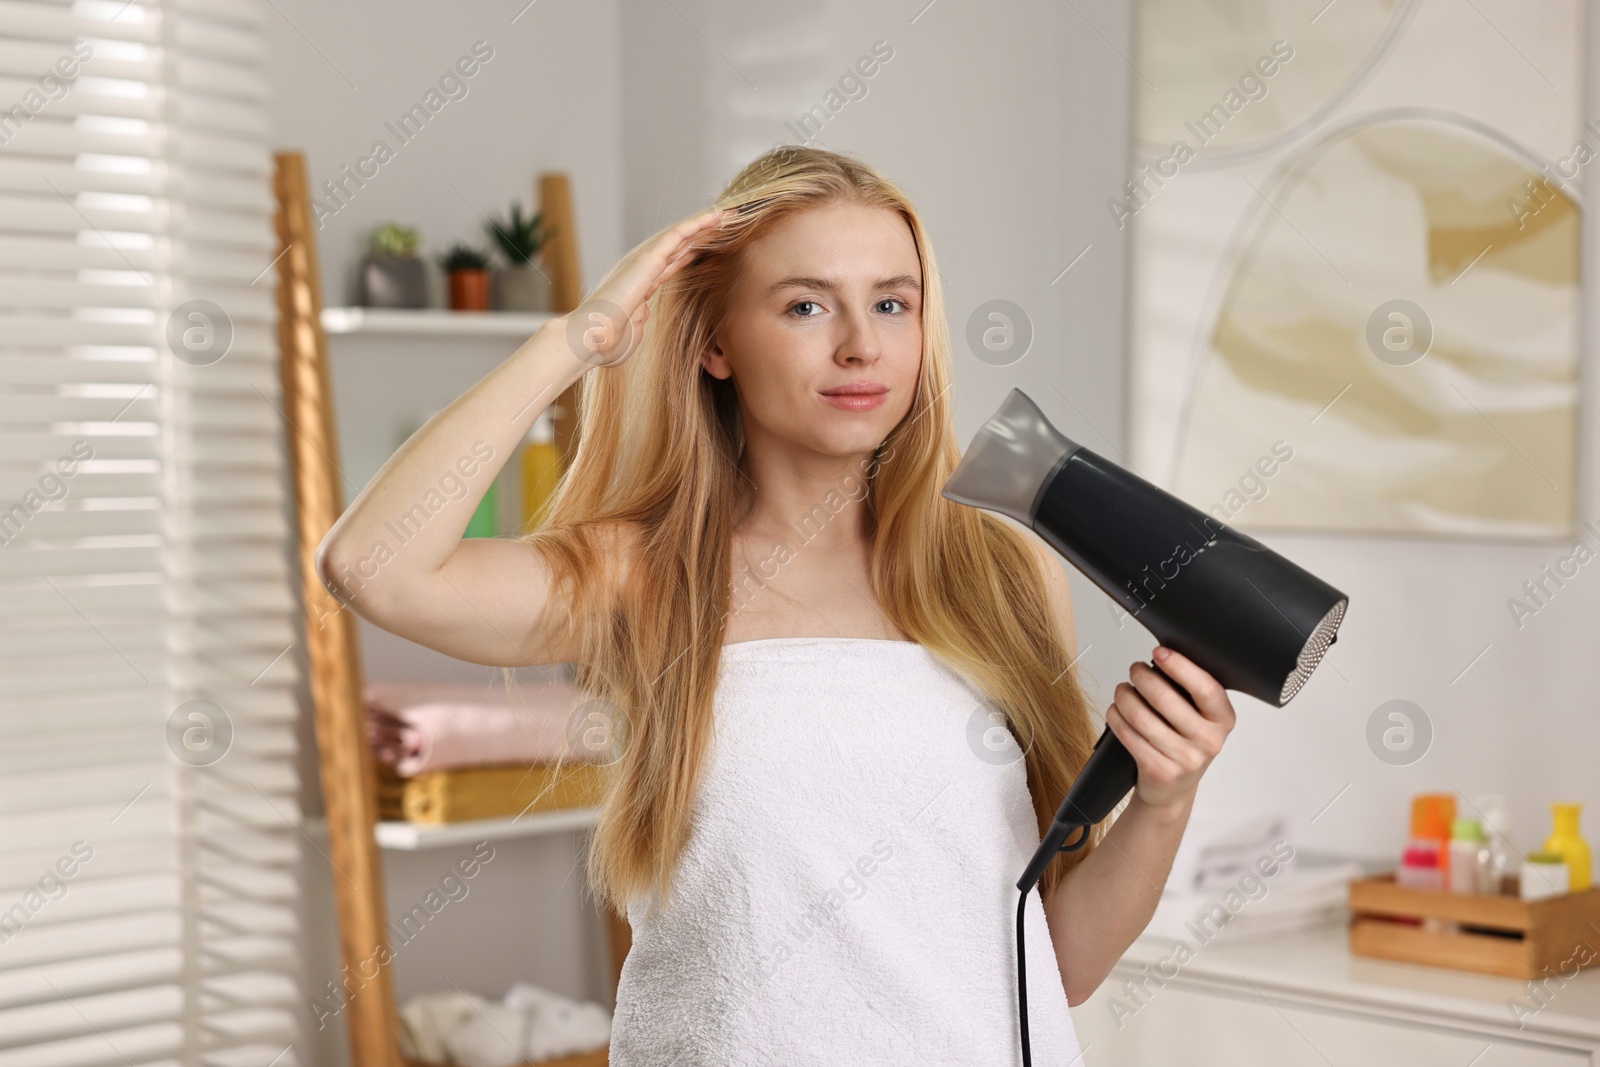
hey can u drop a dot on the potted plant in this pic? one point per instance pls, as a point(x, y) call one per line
point(521, 285)
point(468, 271)
point(391, 274)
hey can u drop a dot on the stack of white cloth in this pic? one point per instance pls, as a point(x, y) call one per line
point(528, 1025)
point(1238, 877)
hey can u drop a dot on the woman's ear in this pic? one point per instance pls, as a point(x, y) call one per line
point(715, 362)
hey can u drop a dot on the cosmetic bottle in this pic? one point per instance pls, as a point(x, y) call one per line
point(541, 467)
point(1565, 841)
point(1469, 858)
point(1544, 874)
point(1431, 817)
point(1504, 860)
point(1419, 865)
point(484, 520)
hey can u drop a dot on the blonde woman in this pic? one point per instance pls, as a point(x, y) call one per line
point(836, 709)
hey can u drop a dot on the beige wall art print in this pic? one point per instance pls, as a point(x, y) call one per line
point(1355, 262)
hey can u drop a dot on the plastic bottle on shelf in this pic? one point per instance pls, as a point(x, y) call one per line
point(1432, 815)
point(485, 521)
point(1504, 859)
point(1544, 874)
point(541, 467)
point(1566, 842)
point(1419, 865)
point(1469, 858)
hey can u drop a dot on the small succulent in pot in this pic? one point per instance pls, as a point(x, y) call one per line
point(391, 274)
point(392, 239)
point(468, 271)
point(521, 285)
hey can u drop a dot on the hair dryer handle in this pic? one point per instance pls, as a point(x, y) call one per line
point(1107, 775)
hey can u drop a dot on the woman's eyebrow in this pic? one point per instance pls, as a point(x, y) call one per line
point(899, 281)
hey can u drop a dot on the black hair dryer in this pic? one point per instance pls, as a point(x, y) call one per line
point(1256, 622)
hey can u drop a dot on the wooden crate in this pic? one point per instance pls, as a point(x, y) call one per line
point(1498, 935)
point(598, 1058)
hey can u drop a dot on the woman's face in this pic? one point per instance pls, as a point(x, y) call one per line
point(831, 296)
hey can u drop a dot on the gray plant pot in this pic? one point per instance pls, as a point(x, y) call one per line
point(393, 282)
point(521, 288)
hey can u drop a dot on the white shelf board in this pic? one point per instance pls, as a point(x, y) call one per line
point(437, 322)
point(411, 836)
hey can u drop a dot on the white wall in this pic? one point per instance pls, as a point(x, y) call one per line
point(547, 100)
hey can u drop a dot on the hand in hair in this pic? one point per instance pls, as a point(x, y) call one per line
point(605, 329)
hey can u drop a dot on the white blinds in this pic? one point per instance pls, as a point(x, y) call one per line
point(148, 903)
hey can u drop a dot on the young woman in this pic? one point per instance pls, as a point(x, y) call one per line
point(836, 709)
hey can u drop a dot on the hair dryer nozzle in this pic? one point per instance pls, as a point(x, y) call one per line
point(1010, 460)
point(1254, 620)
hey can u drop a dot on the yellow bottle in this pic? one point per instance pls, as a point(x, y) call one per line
point(1565, 842)
point(541, 467)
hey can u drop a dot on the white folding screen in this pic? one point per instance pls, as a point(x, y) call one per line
point(149, 816)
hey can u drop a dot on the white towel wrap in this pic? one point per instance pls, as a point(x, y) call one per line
point(848, 893)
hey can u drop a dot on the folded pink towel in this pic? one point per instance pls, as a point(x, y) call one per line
point(429, 726)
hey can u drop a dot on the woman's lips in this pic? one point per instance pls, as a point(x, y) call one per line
point(854, 401)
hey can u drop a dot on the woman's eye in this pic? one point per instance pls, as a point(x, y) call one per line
point(805, 303)
point(893, 300)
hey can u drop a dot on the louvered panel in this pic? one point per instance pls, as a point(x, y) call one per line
point(111, 971)
point(19, 252)
point(114, 647)
point(64, 1019)
point(88, 18)
point(209, 152)
point(204, 71)
point(28, 174)
point(31, 604)
point(36, 330)
point(87, 139)
point(116, 1047)
point(25, 59)
point(41, 293)
point(38, 407)
point(160, 574)
point(46, 212)
point(91, 559)
point(90, 505)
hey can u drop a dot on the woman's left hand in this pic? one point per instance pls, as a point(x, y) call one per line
point(1171, 755)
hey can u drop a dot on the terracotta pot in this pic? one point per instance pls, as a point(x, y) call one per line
point(469, 290)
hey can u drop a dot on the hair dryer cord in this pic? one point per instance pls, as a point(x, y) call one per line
point(1022, 963)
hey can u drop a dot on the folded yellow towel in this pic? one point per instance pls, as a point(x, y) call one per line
point(465, 793)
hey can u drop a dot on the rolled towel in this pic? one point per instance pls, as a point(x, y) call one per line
point(495, 1038)
point(532, 1024)
point(426, 726)
point(561, 1026)
point(426, 1020)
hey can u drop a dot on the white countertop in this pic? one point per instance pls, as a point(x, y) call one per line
point(1315, 967)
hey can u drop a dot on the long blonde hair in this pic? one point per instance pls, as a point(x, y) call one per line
point(657, 450)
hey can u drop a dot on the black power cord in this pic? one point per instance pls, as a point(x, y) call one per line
point(1022, 963)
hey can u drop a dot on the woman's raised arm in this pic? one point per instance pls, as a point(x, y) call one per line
point(397, 557)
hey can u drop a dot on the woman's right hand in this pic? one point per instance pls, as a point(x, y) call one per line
point(605, 329)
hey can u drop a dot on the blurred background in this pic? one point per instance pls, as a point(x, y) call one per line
point(1317, 268)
